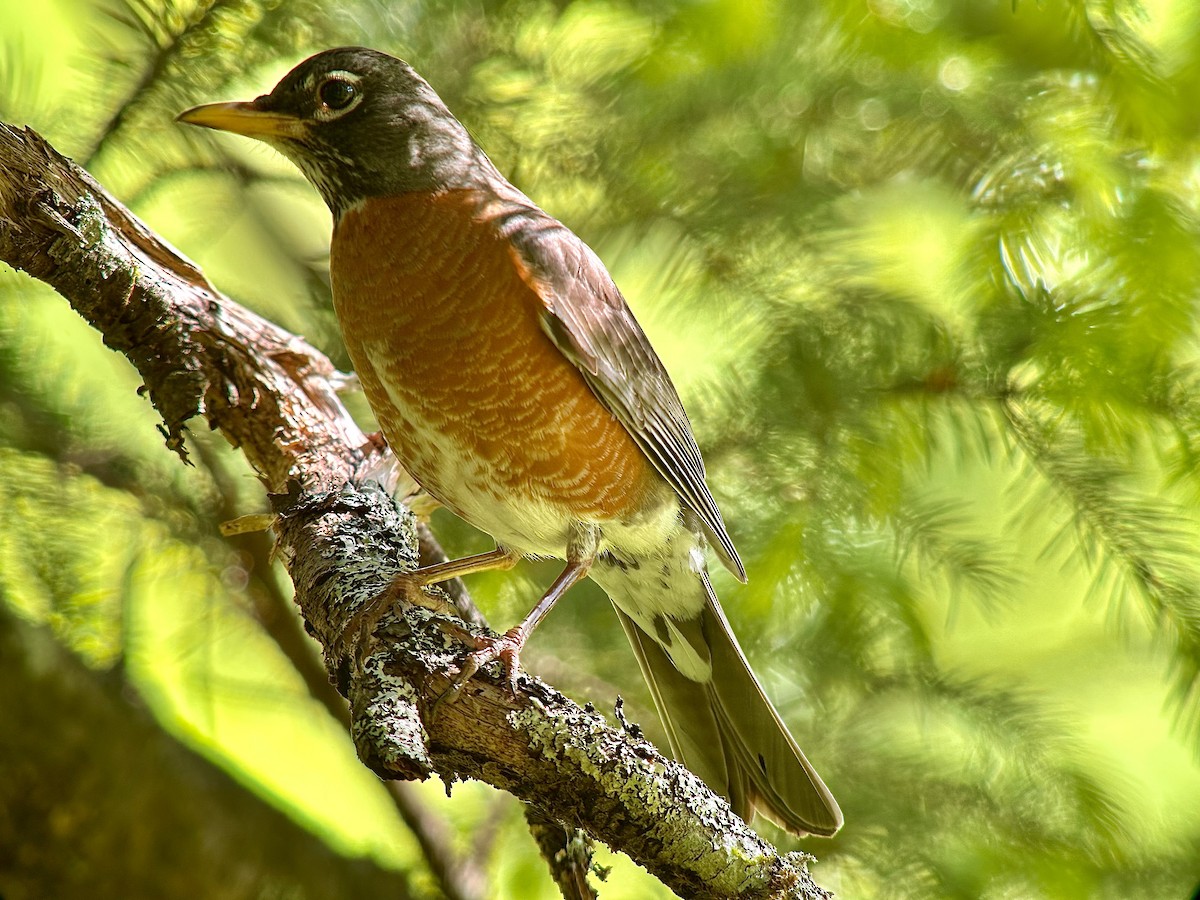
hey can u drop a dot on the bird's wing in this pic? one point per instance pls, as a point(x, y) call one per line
point(588, 320)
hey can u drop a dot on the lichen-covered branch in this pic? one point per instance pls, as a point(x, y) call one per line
point(271, 394)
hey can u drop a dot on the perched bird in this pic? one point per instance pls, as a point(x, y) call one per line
point(514, 384)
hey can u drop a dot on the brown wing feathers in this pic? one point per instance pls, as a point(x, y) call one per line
point(589, 321)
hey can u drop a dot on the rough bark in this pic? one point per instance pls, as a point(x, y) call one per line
point(343, 538)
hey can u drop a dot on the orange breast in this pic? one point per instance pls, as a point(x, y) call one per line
point(474, 398)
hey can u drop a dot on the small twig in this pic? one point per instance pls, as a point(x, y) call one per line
point(459, 877)
point(569, 853)
point(488, 830)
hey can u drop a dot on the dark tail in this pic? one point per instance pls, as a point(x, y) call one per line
point(727, 732)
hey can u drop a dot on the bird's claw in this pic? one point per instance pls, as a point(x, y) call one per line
point(406, 587)
point(505, 649)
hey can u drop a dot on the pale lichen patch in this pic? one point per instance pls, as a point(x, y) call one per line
point(387, 727)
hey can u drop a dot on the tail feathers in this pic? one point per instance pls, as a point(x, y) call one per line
point(782, 783)
point(687, 714)
point(727, 732)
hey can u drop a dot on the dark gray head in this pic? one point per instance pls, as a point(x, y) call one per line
point(358, 123)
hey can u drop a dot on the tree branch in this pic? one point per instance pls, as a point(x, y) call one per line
point(460, 876)
point(270, 394)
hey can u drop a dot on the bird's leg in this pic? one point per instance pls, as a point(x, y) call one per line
point(581, 553)
point(407, 586)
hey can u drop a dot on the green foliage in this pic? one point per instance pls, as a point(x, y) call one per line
point(926, 272)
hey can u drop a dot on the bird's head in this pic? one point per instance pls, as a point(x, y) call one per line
point(358, 123)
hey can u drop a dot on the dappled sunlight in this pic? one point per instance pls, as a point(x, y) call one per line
point(925, 274)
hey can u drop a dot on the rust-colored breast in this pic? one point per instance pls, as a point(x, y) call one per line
point(472, 395)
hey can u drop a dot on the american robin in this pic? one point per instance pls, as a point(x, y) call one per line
point(514, 384)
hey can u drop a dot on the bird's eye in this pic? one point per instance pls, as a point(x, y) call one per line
point(337, 94)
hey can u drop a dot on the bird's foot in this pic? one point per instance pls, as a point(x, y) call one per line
point(405, 587)
point(505, 649)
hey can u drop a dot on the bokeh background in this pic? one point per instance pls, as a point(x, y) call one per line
point(926, 274)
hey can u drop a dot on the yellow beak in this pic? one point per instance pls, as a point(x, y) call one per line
point(243, 118)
